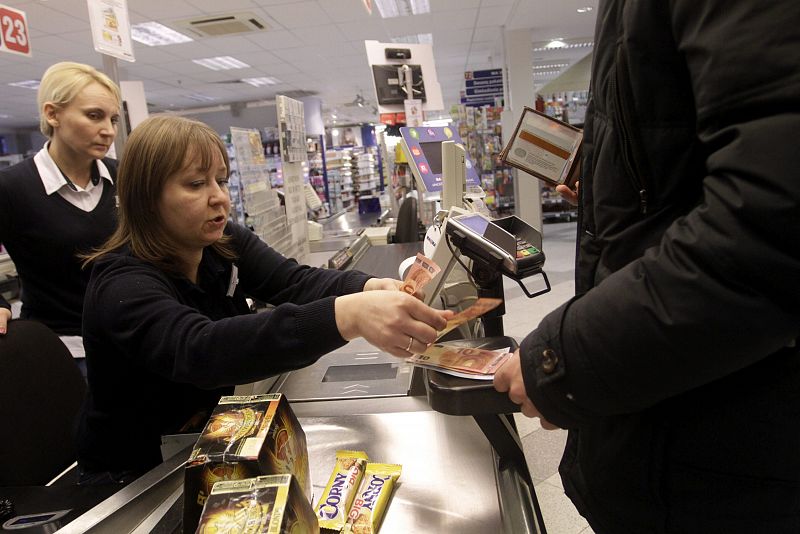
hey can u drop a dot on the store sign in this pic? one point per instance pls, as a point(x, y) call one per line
point(482, 87)
point(14, 37)
point(111, 29)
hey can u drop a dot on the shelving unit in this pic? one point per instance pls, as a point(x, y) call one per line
point(340, 179)
point(480, 129)
point(365, 176)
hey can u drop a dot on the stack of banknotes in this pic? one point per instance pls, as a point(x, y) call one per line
point(465, 362)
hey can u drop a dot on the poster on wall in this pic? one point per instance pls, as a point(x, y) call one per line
point(14, 37)
point(111, 29)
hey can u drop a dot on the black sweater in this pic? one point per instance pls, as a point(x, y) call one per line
point(43, 233)
point(161, 349)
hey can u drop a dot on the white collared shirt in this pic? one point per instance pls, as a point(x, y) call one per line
point(85, 199)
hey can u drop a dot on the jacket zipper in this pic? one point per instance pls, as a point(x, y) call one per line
point(628, 131)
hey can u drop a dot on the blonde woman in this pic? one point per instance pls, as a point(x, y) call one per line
point(166, 327)
point(61, 202)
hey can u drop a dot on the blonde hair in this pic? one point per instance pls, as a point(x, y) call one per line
point(62, 82)
point(157, 149)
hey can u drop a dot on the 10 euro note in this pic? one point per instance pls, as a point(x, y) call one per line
point(478, 308)
point(466, 362)
point(422, 271)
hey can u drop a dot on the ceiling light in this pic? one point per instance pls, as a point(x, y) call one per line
point(549, 46)
point(27, 84)
point(419, 38)
point(155, 34)
point(586, 9)
point(200, 97)
point(221, 63)
point(4, 116)
point(551, 66)
point(402, 8)
point(258, 82)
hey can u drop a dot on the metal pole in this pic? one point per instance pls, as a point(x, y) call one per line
point(110, 69)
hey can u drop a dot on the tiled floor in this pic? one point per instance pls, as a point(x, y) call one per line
point(543, 448)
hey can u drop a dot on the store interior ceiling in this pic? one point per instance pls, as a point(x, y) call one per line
point(307, 48)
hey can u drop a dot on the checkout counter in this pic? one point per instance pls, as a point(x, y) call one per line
point(463, 466)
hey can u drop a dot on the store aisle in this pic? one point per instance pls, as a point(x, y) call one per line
point(543, 448)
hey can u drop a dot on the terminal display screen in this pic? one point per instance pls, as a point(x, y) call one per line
point(433, 153)
point(490, 231)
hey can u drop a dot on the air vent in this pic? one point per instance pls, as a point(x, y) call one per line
point(218, 25)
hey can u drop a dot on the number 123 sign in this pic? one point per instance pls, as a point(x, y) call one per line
point(14, 32)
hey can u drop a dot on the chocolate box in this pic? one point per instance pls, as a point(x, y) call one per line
point(272, 504)
point(245, 437)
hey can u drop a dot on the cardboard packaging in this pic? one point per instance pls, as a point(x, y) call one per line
point(270, 504)
point(246, 436)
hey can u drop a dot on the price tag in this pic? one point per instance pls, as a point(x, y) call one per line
point(14, 32)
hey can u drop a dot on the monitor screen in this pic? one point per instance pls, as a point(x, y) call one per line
point(433, 153)
point(388, 88)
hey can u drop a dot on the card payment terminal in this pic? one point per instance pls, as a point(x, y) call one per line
point(509, 242)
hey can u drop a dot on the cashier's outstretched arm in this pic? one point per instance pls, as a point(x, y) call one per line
point(393, 321)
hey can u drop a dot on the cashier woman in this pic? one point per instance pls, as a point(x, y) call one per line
point(166, 327)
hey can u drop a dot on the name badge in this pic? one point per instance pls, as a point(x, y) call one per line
point(234, 280)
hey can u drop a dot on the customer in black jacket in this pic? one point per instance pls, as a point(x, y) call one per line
point(675, 368)
point(166, 326)
point(60, 203)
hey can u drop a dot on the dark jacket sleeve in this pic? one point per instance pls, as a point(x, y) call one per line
point(136, 307)
point(720, 291)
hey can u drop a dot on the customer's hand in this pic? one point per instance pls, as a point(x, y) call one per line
point(5, 317)
point(509, 379)
point(393, 321)
point(568, 194)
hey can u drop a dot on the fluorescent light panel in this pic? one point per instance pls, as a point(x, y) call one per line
point(27, 84)
point(221, 63)
point(550, 46)
point(419, 38)
point(551, 66)
point(200, 97)
point(155, 34)
point(402, 8)
point(258, 82)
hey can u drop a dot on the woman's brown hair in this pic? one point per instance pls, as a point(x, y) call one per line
point(157, 149)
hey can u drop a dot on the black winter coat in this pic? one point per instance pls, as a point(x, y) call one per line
point(675, 367)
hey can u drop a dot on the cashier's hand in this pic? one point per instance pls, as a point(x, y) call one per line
point(391, 320)
point(509, 379)
point(5, 317)
point(568, 194)
point(389, 284)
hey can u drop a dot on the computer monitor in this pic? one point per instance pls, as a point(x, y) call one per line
point(423, 147)
point(388, 87)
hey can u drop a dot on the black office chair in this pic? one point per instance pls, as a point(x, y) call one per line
point(41, 391)
point(407, 230)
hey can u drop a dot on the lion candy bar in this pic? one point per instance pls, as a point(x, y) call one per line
point(373, 496)
point(341, 489)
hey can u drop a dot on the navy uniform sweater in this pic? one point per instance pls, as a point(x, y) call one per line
point(43, 234)
point(160, 349)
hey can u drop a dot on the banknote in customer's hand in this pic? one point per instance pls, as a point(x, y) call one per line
point(462, 361)
point(422, 271)
point(478, 308)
